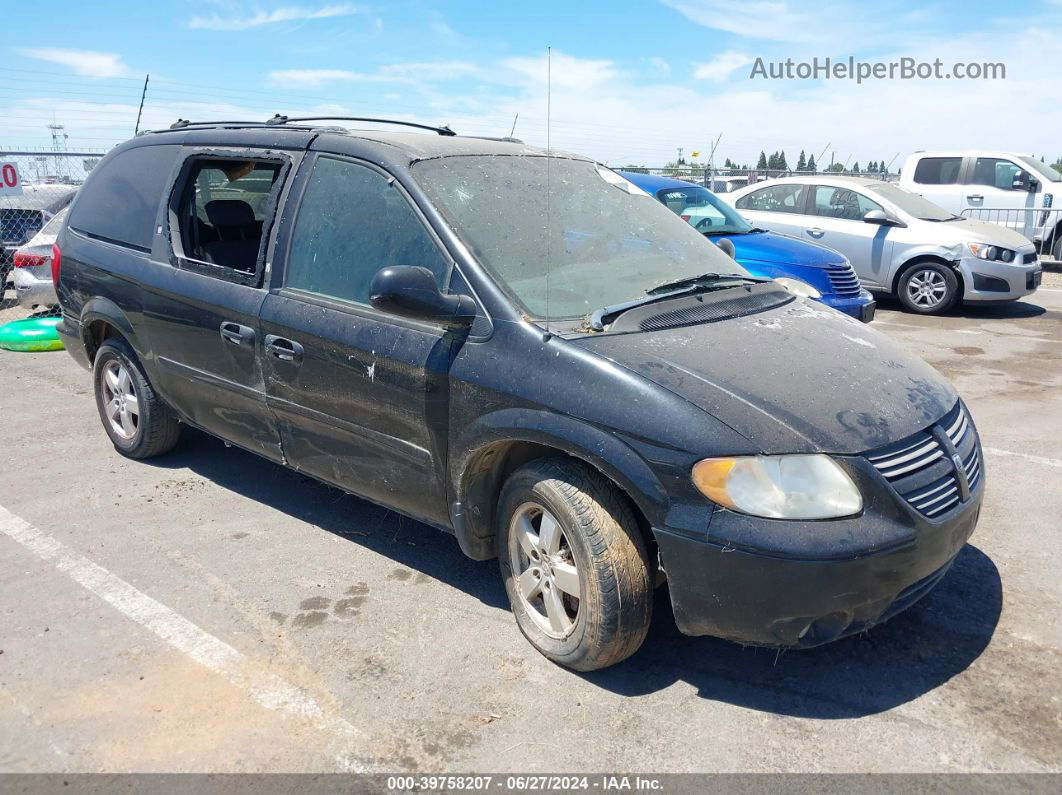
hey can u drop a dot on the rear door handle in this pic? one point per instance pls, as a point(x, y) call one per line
point(284, 349)
point(976, 197)
point(236, 334)
point(816, 232)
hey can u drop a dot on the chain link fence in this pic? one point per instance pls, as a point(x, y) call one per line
point(722, 180)
point(46, 183)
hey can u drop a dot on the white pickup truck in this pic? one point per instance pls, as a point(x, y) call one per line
point(1017, 191)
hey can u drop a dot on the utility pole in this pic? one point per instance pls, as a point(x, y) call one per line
point(59, 137)
point(143, 94)
point(679, 161)
point(818, 159)
point(711, 160)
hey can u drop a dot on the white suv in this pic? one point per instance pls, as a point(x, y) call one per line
point(897, 241)
point(1016, 191)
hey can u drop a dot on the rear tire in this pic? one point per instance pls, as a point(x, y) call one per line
point(928, 288)
point(1056, 252)
point(574, 564)
point(138, 423)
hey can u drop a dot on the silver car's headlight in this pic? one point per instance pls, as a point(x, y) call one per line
point(990, 252)
point(797, 287)
point(779, 486)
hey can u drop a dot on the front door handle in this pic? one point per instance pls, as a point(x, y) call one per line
point(284, 349)
point(236, 334)
point(976, 197)
point(816, 232)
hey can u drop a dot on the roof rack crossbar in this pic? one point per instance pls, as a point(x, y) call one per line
point(279, 120)
point(180, 124)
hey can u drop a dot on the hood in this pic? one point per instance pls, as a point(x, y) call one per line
point(778, 249)
point(970, 230)
point(799, 378)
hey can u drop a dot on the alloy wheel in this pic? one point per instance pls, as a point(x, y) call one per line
point(545, 575)
point(927, 288)
point(120, 400)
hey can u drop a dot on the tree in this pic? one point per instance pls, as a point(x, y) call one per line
point(761, 164)
point(811, 164)
point(782, 165)
point(855, 167)
point(836, 168)
point(872, 166)
point(802, 162)
point(884, 169)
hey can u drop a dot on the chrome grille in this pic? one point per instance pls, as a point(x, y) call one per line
point(843, 279)
point(921, 469)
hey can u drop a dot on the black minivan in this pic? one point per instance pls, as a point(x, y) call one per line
point(521, 348)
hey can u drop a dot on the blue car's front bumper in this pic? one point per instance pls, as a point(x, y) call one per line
point(861, 306)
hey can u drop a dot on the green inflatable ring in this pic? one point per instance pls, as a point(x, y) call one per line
point(32, 334)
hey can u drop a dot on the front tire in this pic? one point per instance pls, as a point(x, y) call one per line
point(138, 423)
point(928, 288)
point(574, 564)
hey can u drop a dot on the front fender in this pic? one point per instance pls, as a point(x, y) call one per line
point(601, 449)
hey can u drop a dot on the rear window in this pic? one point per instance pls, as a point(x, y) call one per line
point(120, 200)
point(937, 171)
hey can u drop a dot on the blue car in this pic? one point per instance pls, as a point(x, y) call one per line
point(764, 254)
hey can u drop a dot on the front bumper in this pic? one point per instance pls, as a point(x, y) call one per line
point(809, 582)
point(861, 307)
point(33, 286)
point(985, 280)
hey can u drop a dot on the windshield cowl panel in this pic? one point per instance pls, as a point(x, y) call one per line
point(564, 237)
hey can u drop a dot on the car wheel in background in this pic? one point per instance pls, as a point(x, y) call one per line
point(928, 288)
point(574, 564)
point(139, 424)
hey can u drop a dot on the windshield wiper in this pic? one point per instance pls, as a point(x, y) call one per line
point(704, 280)
point(692, 285)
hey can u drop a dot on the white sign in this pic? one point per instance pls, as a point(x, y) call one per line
point(10, 184)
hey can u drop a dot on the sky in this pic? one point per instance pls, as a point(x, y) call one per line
point(630, 82)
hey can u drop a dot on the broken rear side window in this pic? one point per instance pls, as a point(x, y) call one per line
point(223, 212)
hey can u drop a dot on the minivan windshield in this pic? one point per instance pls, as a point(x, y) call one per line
point(912, 204)
point(704, 211)
point(564, 236)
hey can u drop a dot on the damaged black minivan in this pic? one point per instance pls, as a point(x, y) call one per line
point(522, 349)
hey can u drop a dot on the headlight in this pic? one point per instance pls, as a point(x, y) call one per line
point(779, 487)
point(797, 287)
point(989, 252)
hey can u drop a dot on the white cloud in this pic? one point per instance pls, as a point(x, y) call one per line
point(566, 71)
point(310, 78)
point(283, 14)
point(720, 67)
point(83, 62)
point(759, 19)
point(412, 73)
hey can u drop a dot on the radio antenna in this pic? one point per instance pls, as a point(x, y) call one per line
point(512, 132)
point(549, 156)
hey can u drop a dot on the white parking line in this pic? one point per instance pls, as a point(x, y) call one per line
point(269, 690)
point(1036, 459)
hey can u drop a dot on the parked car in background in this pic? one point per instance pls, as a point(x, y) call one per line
point(529, 352)
point(728, 184)
point(1013, 190)
point(898, 242)
point(762, 253)
point(24, 215)
point(32, 266)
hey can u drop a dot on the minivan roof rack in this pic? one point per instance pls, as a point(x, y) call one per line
point(281, 120)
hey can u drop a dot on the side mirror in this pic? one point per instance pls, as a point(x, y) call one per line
point(727, 247)
point(881, 218)
point(1023, 181)
point(411, 292)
